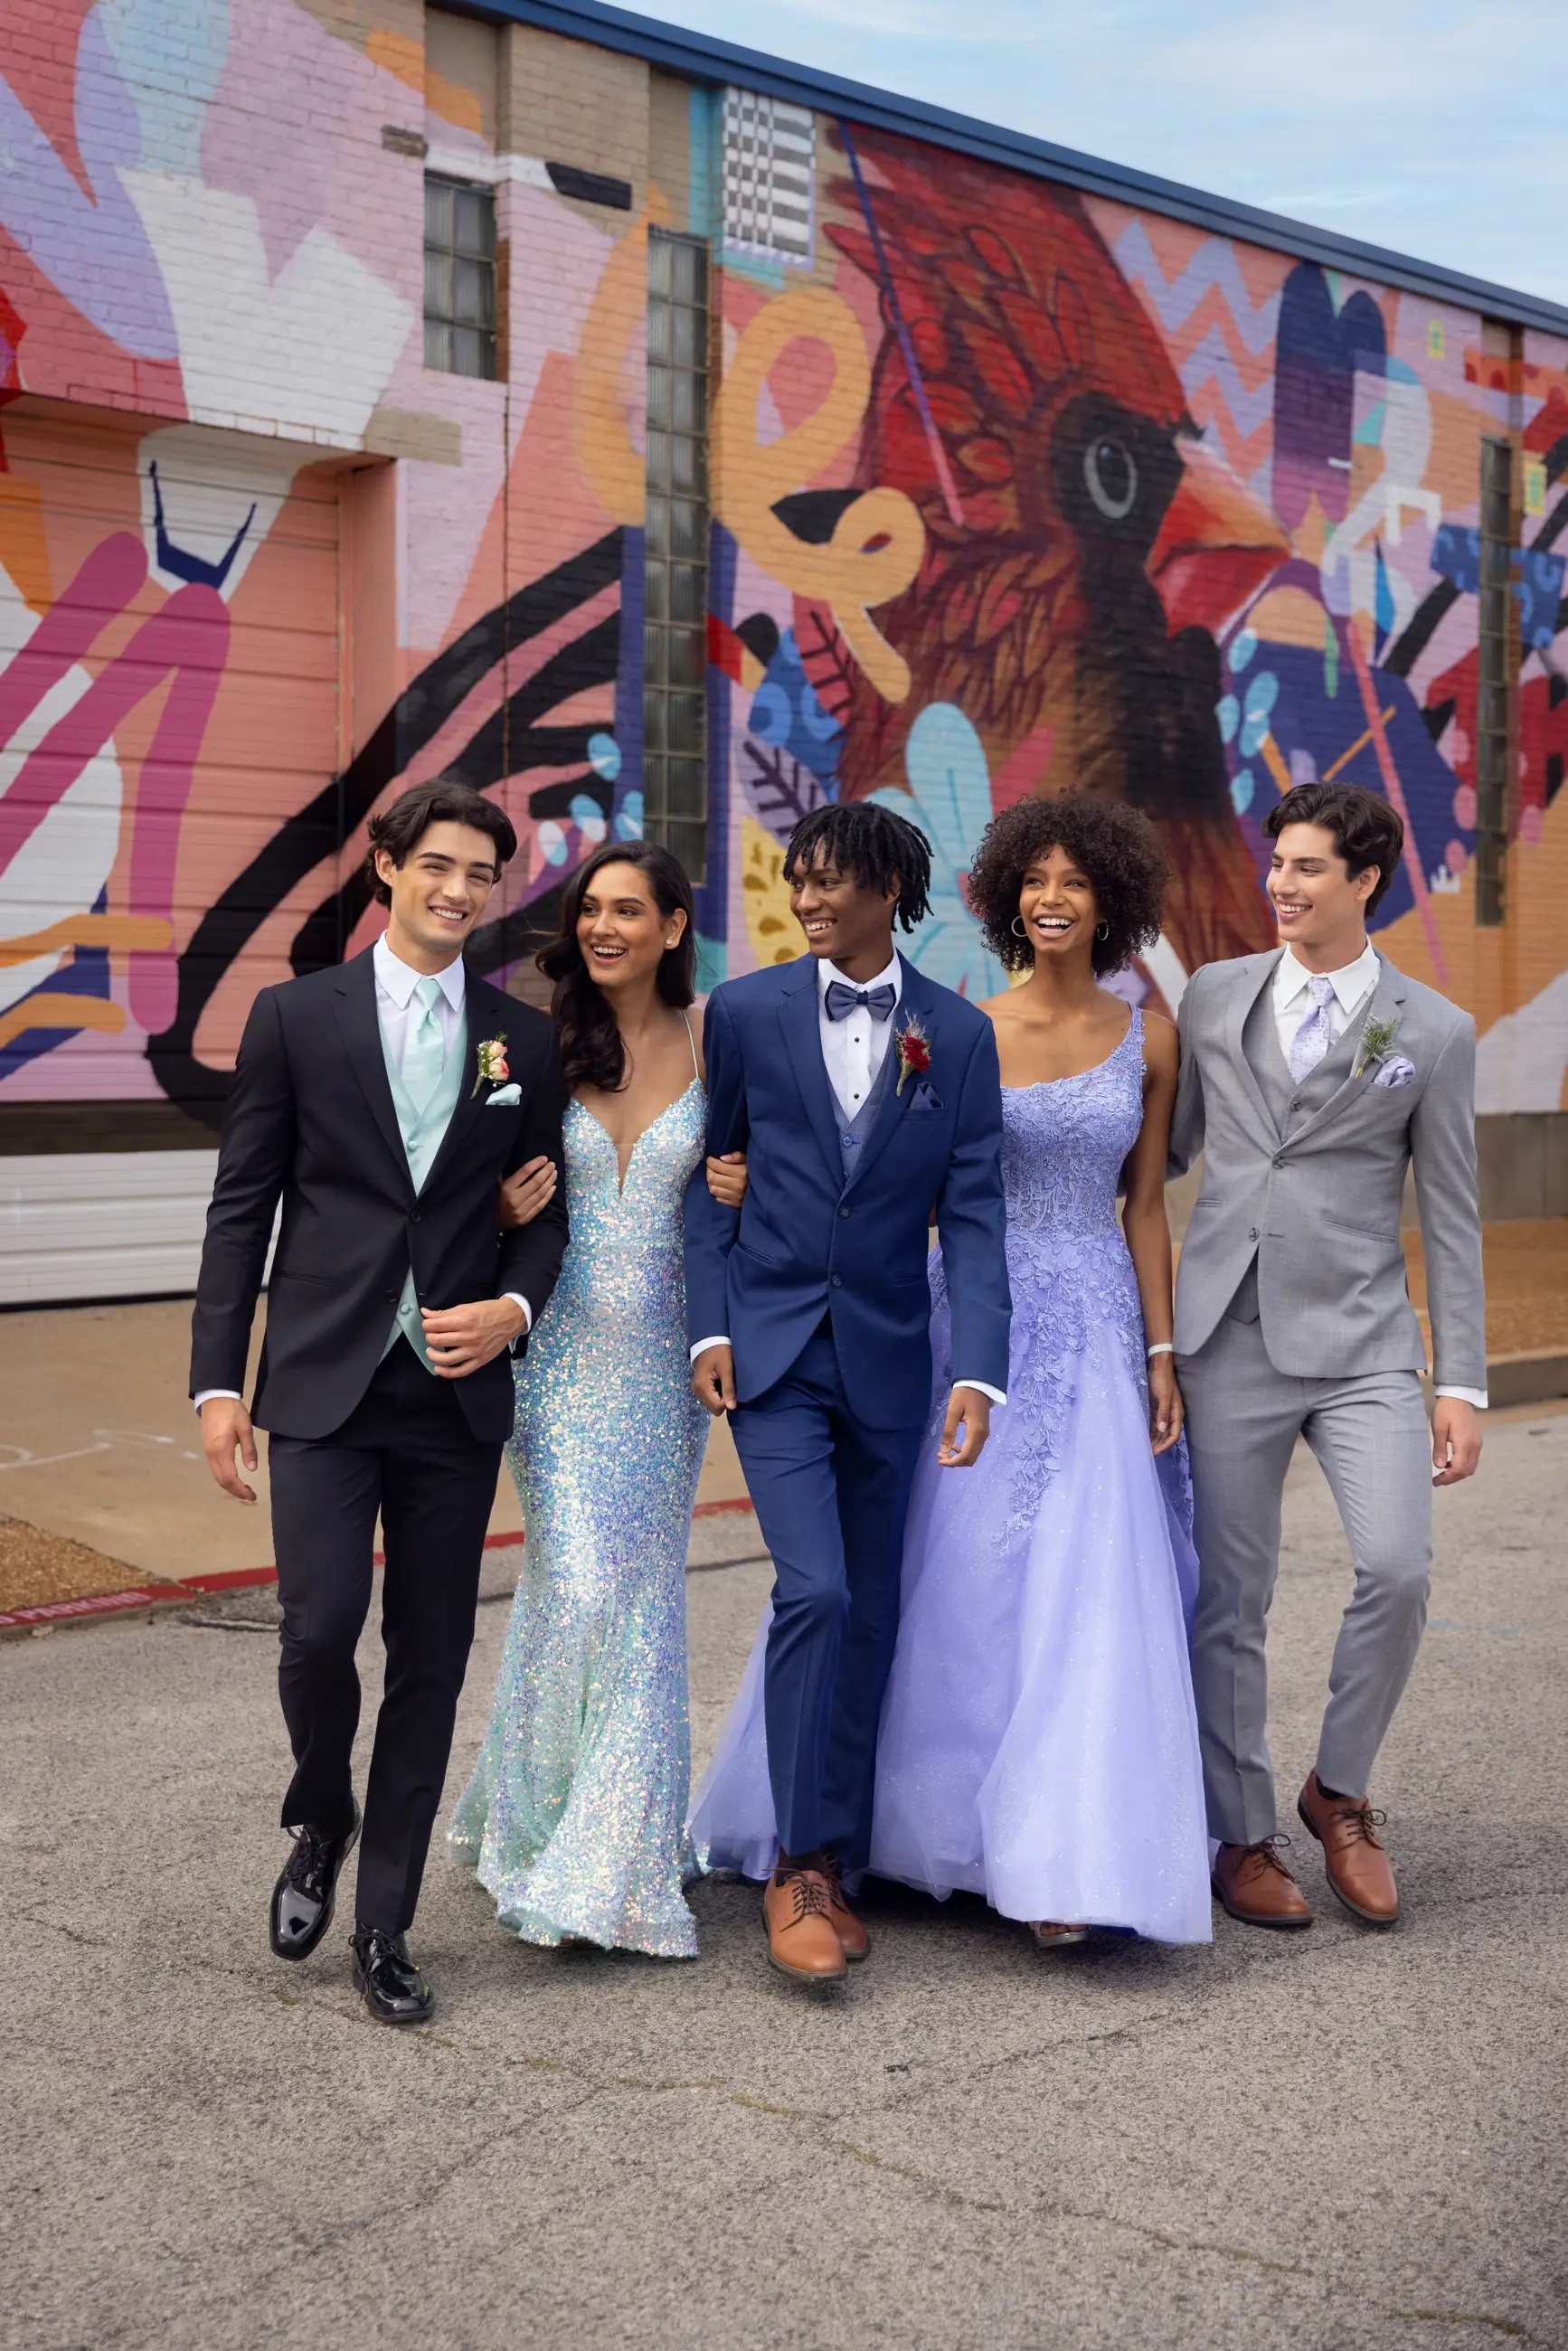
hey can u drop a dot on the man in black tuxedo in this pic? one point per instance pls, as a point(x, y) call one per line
point(381, 1104)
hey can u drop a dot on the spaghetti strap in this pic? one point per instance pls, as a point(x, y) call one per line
point(696, 1065)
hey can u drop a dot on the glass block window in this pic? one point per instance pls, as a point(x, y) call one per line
point(459, 278)
point(1496, 669)
point(674, 573)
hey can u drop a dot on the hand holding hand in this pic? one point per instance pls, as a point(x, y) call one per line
point(1455, 1440)
point(726, 1179)
point(969, 1407)
point(458, 1339)
point(225, 1423)
point(526, 1191)
point(713, 1379)
point(1166, 1411)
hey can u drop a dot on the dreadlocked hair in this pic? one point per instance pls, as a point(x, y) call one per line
point(885, 852)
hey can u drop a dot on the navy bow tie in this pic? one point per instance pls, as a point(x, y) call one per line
point(842, 1000)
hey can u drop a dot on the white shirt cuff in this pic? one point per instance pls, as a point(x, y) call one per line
point(1478, 1396)
point(206, 1396)
point(518, 1300)
point(703, 1344)
point(985, 1388)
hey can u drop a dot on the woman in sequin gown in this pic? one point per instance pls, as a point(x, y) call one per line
point(1038, 1742)
point(574, 1818)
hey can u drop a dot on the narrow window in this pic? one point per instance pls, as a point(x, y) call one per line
point(1495, 672)
point(674, 573)
point(459, 278)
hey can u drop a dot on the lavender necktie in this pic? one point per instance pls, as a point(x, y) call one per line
point(1313, 1039)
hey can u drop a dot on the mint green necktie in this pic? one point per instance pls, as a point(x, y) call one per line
point(425, 1050)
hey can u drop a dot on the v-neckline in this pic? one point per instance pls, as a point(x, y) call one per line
point(638, 1140)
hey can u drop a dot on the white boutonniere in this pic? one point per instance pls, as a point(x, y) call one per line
point(493, 1070)
point(1377, 1053)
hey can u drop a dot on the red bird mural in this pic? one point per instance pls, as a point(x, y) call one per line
point(1082, 547)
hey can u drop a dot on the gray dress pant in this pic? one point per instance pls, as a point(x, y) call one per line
point(1370, 1433)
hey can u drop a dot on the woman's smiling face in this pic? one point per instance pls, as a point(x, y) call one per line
point(1058, 907)
point(622, 934)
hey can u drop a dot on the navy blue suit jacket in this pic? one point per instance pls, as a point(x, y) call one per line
point(804, 1243)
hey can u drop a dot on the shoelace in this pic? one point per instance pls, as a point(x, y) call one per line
point(1360, 1821)
point(1265, 1855)
point(810, 1898)
point(834, 1876)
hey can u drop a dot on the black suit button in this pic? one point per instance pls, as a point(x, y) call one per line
point(391, 1294)
point(413, 1213)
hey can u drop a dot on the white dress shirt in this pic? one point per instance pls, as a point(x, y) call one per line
point(1352, 984)
point(853, 1050)
point(396, 984)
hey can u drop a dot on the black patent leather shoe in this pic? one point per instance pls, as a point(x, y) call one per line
point(303, 1898)
point(395, 1991)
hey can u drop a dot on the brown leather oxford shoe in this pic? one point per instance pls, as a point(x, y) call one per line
point(802, 1940)
point(850, 1931)
point(1254, 1885)
point(1358, 1869)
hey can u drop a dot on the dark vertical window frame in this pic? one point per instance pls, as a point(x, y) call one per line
point(460, 258)
point(675, 548)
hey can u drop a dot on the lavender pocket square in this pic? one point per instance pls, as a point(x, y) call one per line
point(1396, 1072)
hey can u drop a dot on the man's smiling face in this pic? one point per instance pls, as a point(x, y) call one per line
point(438, 893)
point(841, 918)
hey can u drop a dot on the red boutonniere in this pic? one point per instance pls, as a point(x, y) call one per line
point(913, 1051)
point(492, 1063)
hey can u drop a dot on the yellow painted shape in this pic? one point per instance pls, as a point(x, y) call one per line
point(126, 932)
point(397, 54)
point(614, 466)
point(24, 549)
point(61, 1011)
point(455, 104)
point(772, 929)
point(878, 543)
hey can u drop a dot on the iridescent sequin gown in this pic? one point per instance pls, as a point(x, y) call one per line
point(574, 1817)
point(1039, 1742)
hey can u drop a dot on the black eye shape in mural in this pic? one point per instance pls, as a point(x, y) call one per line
point(511, 741)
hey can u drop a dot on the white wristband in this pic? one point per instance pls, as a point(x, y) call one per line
point(1161, 1347)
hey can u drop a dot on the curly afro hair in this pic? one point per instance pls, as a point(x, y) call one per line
point(1117, 848)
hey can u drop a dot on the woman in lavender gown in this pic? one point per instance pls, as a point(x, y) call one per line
point(1039, 1743)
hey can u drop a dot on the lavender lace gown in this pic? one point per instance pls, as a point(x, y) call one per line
point(1039, 1742)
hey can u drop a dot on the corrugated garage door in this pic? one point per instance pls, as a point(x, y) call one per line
point(170, 728)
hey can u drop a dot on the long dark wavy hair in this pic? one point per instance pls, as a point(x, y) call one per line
point(592, 1052)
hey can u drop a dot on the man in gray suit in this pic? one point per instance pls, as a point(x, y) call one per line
point(1311, 1078)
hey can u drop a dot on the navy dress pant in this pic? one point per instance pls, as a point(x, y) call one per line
point(830, 1497)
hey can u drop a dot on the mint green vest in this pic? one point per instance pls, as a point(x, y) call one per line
point(422, 1133)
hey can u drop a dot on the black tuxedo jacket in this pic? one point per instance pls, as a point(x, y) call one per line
point(311, 1123)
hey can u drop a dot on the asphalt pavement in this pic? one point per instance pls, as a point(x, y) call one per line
point(1324, 2141)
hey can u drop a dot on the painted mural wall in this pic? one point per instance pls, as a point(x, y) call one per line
point(1010, 492)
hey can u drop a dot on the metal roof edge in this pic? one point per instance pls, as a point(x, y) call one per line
point(700, 57)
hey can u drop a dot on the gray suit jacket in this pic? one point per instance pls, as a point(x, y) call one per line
point(1316, 1198)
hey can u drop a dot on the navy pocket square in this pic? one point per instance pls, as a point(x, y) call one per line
point(924, 1099)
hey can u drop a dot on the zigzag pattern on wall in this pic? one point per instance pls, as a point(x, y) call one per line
point(1221, 341)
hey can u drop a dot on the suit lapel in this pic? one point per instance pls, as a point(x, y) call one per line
point(800, 1019)
point(360, 1027)
point(1386, 1003)
point(915, 1002)
point(1243, 997)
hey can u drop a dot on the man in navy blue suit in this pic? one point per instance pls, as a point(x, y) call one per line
point(865, 1097)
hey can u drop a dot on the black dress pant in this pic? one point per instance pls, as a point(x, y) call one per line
point(407, 1453)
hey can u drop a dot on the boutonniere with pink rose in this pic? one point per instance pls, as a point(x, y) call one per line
point(914, 1050)
point(493, 1070)
point(1377, 1053)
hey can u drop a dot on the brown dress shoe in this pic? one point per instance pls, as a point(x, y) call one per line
point(852, 1937)
point(1255, 1886)
point(1358, 1869)
point(801, 1937)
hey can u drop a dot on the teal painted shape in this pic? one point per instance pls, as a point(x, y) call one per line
point(702, 177)
point(949, 797)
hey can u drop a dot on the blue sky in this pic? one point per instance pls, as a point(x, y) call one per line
point(1439, 128)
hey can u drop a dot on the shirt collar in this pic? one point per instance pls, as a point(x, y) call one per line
point(1350, 983)
point(398, 981)
point(892, 977)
